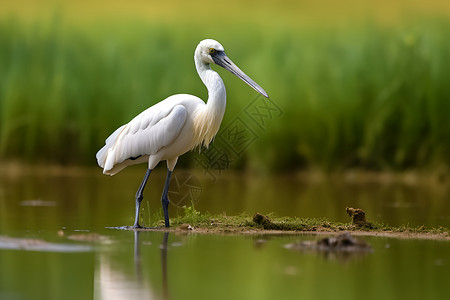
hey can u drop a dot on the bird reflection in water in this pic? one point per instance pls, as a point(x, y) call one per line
point(112, 281)
point(138, 262)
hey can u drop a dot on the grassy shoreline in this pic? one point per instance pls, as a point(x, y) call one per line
point(194, 222)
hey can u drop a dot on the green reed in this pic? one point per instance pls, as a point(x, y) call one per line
point(370, 97)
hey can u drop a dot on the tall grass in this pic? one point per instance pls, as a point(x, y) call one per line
point(369, 97)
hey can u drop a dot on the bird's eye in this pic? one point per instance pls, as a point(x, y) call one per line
point(212, 50)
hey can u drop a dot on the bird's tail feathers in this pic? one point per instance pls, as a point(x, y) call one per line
point(102, 154)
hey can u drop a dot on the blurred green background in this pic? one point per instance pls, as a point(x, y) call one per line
point(362, 84)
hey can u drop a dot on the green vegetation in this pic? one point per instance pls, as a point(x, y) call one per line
point(244, 223)
point(369, 97)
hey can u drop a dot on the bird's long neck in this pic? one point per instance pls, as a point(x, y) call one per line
point(216, 89)
point(208, 120)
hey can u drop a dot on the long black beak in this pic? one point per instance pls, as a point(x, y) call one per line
point(221, 59)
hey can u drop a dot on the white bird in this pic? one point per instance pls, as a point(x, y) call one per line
point(173, 126)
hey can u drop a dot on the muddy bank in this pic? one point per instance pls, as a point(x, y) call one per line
point(262, 224)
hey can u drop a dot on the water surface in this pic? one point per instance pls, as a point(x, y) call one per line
point(156, 265)
point(88, 198)
point(55, 244)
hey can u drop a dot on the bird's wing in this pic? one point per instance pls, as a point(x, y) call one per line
point(153, 129)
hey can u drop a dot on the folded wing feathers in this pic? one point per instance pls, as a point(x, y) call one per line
point(144, 135)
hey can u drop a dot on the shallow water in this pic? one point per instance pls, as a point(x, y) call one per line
point(54, 243)
point(156, 265)
point(88, 198)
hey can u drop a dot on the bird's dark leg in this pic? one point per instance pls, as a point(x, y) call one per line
point(139, 197)
point(165, 199)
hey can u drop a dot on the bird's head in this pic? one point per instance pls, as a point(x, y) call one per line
point(212, 52)
point(207, 49)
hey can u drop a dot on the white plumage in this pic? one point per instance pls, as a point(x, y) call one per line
point(175, 125)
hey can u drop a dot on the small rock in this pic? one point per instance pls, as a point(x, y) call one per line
point(358, 217)
point(261, 219)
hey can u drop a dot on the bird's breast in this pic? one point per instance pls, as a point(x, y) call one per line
point(206, 124)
